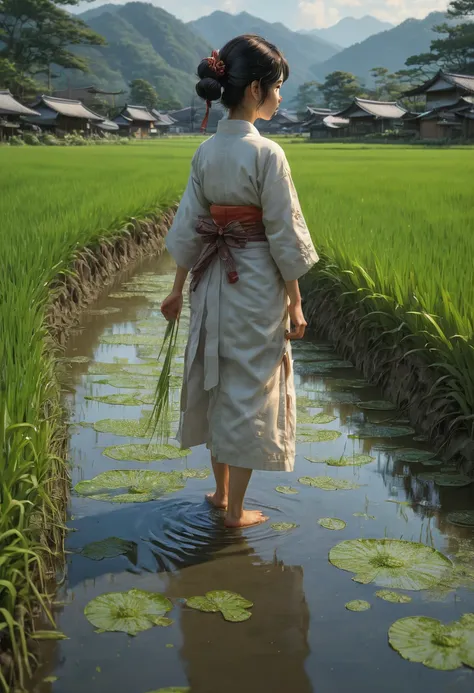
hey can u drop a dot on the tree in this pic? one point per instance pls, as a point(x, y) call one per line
point(307, 95)
point(388, 86)
point(142, 93)
point(169, 104)
point(21, 86)
point(35, 34)
point(455, 50)
point(339, 88)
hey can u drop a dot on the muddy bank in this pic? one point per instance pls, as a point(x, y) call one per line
point(387, 357)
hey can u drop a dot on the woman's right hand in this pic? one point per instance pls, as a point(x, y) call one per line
point(172, 305)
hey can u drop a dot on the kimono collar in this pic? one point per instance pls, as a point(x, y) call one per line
point(236, 127)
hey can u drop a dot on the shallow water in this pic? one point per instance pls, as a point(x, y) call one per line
point(300, 637)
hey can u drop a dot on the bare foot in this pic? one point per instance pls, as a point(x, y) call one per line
point(217, 501)
point(247, 519)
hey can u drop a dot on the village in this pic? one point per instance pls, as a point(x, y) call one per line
point(448, 116)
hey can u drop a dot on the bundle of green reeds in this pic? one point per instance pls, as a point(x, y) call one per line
point(160, 416)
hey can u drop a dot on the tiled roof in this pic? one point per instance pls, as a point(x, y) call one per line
point(465, 82)
point(140, 113)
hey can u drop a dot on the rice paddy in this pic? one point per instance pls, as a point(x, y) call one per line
point(393, 225)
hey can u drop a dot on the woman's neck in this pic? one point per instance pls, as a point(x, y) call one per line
point(242, 113)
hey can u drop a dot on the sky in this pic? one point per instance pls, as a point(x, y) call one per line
point(298, 14)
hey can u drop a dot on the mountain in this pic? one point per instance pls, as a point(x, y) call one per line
point(350, 30)
point(388, 49)
point(142, 41)
point(301, 50)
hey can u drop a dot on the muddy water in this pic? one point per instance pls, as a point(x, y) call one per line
point(300, 637)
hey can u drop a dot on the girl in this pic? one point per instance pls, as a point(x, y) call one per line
point(240, 231)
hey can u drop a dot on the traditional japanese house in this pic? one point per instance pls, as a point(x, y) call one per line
point(163, 122)
point(64, 116)
point(136, 121)
point(11, 112)
point(283, 121)
point(189, 119)
point(444, 89)
point(448, 122)
point(89, 95)
point(367, 117)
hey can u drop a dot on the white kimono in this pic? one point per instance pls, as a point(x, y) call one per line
point(238, 392)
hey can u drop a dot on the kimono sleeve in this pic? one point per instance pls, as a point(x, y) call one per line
point(290, 242)
point(182, 241)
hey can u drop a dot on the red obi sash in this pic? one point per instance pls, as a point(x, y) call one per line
point(228, 226)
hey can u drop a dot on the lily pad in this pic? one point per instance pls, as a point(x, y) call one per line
point(355, 383)
point(305, 418)
point(303, 402)
point(371, 430)
point(434, 644)
point(144, 452)
point(131, 485)
point(332, 523)
point(283, 526)
point(107, 548)
point(196, 473)
point(314, 436)
point(357, 605)
point(393, 597)
point(76, 359)
point(131, 428)
point(393, 563)
point(414, 455)
point(103, 311)
point(288, 490)
point(331, 397)
point(326, 483)
point(132, 339)
point(172, 690)
point(319, 367)
point(377, 405)
point(453, 480)
point(103, 368)
point(232, 606)
point(127, 382)
point(365, 516)
point(464, 518)
point(128, 612)
point(127, 400)
point(354, 461)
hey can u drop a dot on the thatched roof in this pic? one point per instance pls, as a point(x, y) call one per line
point(389, 110)
point(442, 81)
point(51, 106)
point(10, 106)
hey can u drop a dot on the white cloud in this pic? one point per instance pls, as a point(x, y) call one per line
point(315, 15)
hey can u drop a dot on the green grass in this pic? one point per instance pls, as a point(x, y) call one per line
point(396, 224)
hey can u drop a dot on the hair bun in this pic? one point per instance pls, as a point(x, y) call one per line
point(209, 89)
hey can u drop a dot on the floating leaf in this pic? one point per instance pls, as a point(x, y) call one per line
point(440, 479)
point(129, 612)
point(464, 518)
point(313, 436)
point(391, 562)
point(131, 486)
point(144, 453)
point(413, 455)
point(349, 382)
point(107, 548)
point(327, 483)
point(431, 462)
point(283, 526)
point(331, 397)
point(101, 368)
point(320, 367)
point(103, 311)
point(370, 430)
point(376, 405)
point(304, 418)
point(232, 606)
point(288, 490)
point(131, 400)
point(434, 644)
point(365, 516)
point(357, 605)
point(50, 679)
point(354, 461)
point(196, 473)
point(398, 502)
point(132, 339)
point(76, 359)
point(302, 402)
point(172, 690)
point(313, 356)
point(49, 635)
point(332, 523)
point(131, 428)
point(127, 382)
point(393, 597)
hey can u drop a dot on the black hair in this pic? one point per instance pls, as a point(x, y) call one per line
point(245, 59)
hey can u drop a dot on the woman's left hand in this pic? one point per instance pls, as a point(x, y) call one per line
point(297, 321)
